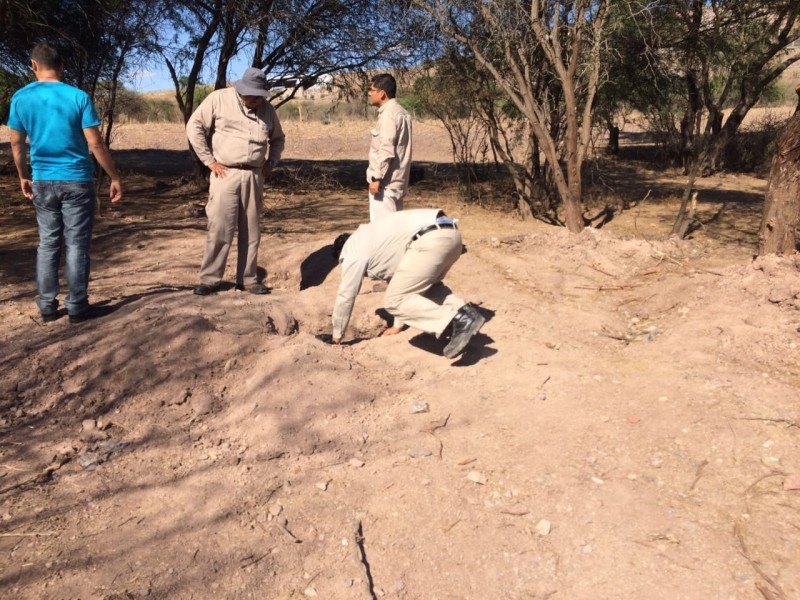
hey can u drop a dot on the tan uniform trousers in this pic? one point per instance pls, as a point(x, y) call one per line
point(234, 201)
point(386, 201)
point(416, 295)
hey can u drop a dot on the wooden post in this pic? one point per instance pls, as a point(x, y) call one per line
point(782, 202)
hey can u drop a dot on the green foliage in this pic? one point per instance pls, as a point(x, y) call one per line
point(776, 93)
point(413, 104)
point(201, 92)
point(9, 83)
point(752, 148)
point(321, 111)
point(133, 107)
point(290, 111)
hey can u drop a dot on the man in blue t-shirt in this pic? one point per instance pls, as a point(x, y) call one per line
point(61, 124)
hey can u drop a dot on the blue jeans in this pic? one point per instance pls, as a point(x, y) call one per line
point(63, 209)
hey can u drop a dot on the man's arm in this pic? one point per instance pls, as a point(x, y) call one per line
point(387, 140)
point(198, 130)
point(352, 276)
point(277, 141)
point(100, 151)
point(21, 161)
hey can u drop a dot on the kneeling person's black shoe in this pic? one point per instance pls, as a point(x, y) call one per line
point(205, 289)
point(466, 323)
point(259, 289)
point(93, 312)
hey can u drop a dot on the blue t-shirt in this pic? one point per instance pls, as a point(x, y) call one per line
point(54, 115)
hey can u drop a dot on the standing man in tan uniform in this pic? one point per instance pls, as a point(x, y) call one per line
point(390, 150)
point(413, 250)
point(237, 134)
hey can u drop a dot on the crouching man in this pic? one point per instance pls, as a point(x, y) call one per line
point(413, 250)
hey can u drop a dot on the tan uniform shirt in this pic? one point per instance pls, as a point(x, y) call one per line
point(390, 149)
point(375, 249)
point(224, 130)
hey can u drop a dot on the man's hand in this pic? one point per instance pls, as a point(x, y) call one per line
point(391, 331)
point(115, 190)
point(374, 187)
point(266, 170)
point(27, 188)
point(218, 169)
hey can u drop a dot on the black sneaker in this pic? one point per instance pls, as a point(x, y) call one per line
point(259, 289)
point(466, 323)
point(50, 317)
point(93, 312)
point(206, 290)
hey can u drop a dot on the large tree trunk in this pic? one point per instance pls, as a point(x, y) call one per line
point(782, 202)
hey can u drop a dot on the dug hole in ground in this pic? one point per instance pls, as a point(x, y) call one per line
point(625, 425)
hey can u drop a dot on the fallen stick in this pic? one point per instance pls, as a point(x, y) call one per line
point(285, 529)
point(360, 553)
point(774, 591)
point(40, 477)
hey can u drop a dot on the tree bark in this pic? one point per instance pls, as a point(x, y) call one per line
point(777, 234)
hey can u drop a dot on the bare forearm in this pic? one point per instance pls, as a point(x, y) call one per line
point(103, 156)
point(19, 152)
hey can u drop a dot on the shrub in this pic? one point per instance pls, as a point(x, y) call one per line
point(753, 146)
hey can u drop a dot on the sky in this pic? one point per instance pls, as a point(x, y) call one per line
point(149, 81)
point(156, 77)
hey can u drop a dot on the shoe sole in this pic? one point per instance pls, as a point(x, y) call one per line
point(453, 351)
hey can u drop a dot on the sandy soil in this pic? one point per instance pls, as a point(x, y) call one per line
point(625, 426)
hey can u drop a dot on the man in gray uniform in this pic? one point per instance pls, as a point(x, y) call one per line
point(390, 149)
point(413, 250)
point(235, 133)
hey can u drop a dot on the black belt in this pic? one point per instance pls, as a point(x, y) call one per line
point(428, 228)
point(244, 167)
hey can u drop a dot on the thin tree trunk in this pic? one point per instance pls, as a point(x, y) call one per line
point(777, 234)
point(681, 223)
point(613, 139)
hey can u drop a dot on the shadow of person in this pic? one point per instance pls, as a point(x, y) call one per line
point(387, 318)
point(475, 350)
point(316, 267)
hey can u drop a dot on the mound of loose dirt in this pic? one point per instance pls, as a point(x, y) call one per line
point(624, 426)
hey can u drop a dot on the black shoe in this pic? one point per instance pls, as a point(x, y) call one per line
point(259, 289)
point(93, 312)
point(50, 317)
point(206, 290)
point(466, 323)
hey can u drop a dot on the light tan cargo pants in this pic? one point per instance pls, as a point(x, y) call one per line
point(235, 200)
point(416, 295)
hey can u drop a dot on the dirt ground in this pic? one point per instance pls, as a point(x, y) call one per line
point(625, 426)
